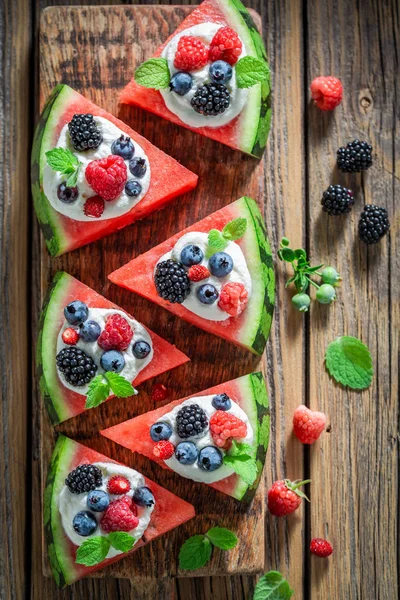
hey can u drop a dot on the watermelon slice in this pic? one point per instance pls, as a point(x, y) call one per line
point(249, 329)
point(61, 402)
point(249, 392)
point(169, 512)
point(248, 131)
point(168, 178)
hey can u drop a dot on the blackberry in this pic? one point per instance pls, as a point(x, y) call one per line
point(337, 200)
point(76, 366)
point(211, 99)
point(355, 157)
point(84, 479)
point(373, 224)
point(191, 420)
point(171, 281)
point(84, 133)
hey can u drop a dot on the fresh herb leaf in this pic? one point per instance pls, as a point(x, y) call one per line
point(250, 71)
point(288, 255)
point(222, 538)
point(216, 242)
point(122, 541)
point(299, 253)
point(195, 553)
point(272, 586)
point(240, 461)
point(235, 229)
point(240, 448)
point(98, 391)
point(92, 551)
point(73, 178)
point(120, 386)
point(153, 73)
point(65, 162)
point(349, 362)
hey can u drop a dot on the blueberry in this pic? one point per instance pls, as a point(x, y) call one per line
point(84, 523)
point(210, 458)
point(207, 294)
point(68, 195)
point(142, 496)
point(221, 402)
point(220, 264)
point(141, 349)
point(133, 188)
point(191, 255)
point(98, 500)
point(220, 71)
point(76, 312)
point(90, 331)
point(112, 360)
point(160, 431)
point(180, 83)
point(186, 453)
point(123, 147)
point(138, 167)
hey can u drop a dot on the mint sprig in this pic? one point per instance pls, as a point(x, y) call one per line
point(65, 162)
point(101, 387)
point(272, 586)
point(153, 73)
point(349, 362)
point(250, 71)
point(239, 459)
point(94, 550)
point(218, 240)
point(197, 550)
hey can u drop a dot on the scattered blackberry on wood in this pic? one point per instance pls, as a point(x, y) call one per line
point(84, 479)
point(337, 200)
point(373, 224)
point(77, 367)
point(84, 133)
point(211, 99)
point(355, 157)
point(172, 281)
point(191, 421)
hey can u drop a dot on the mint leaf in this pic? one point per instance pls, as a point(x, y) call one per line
point(349, 362)
point(272, 586)
point(93, 551)
point(216, 242)
point(122, 541)
point(195, 553)
point(235, 229)
point(120, 386)
point(66, 163)
point(222, 538)
point(244, 465)
point(249, 71)
point(153, 73)
point(98, 391)
point(240, 448)
point(73, 178)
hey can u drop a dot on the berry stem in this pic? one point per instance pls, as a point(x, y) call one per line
point(313, 282)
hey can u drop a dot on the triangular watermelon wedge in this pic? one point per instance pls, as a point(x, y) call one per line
point(248, 131)
point(62, 233)
point(63, 403)
point(249, 392)
point(249, 329)
point(169, 512)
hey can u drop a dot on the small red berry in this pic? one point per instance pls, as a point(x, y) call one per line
point(284, 497)
point(116, 335)
point(225, 45)
point(321, 547)
point(191, 54)
point(307, 424)
point(233, 298)
point(107, 176)
point(327, 92)
point(118, 485)
point(224, 427)
point(70, 336)
point(198, 273)
point(164, 449)
point(121, 515)
point(159, 392)
point(94, 207)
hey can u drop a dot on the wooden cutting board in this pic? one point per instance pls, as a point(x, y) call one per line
point(95, 50)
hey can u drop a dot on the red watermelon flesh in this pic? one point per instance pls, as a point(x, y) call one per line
point(62, 403)
point(169, 512)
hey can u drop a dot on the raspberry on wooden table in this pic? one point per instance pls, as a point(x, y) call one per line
point(285, 497)
point(321, 547)
point(327, 92)
point(307, 424)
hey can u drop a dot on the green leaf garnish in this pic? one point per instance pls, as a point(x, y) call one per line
point(195, 553)
point(153, 73)
point(122, 541)
point(240, 461)
point(250, 71)
point(272, 586)
point(222, 538)
point(120, 386)
point(218, 240)
point(98, 391)
point(65, 162)
point(349, 362)
point(92, 551)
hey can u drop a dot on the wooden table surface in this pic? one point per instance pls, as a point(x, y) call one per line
point(354, 468)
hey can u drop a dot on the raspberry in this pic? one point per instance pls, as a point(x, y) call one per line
point(94, 207)
point(225, 45)
point(118, 485)
point(233, 298)
point(198, 272)
point(284, 497)
point(224, 426)
point(191, 54)
point(164, 450)
point(107, 176)
point(116, 335)
point(159, 392)
point(321, 547)
point(70, 336)
point(307, 424)
point(120, 516)
point(327, 92)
